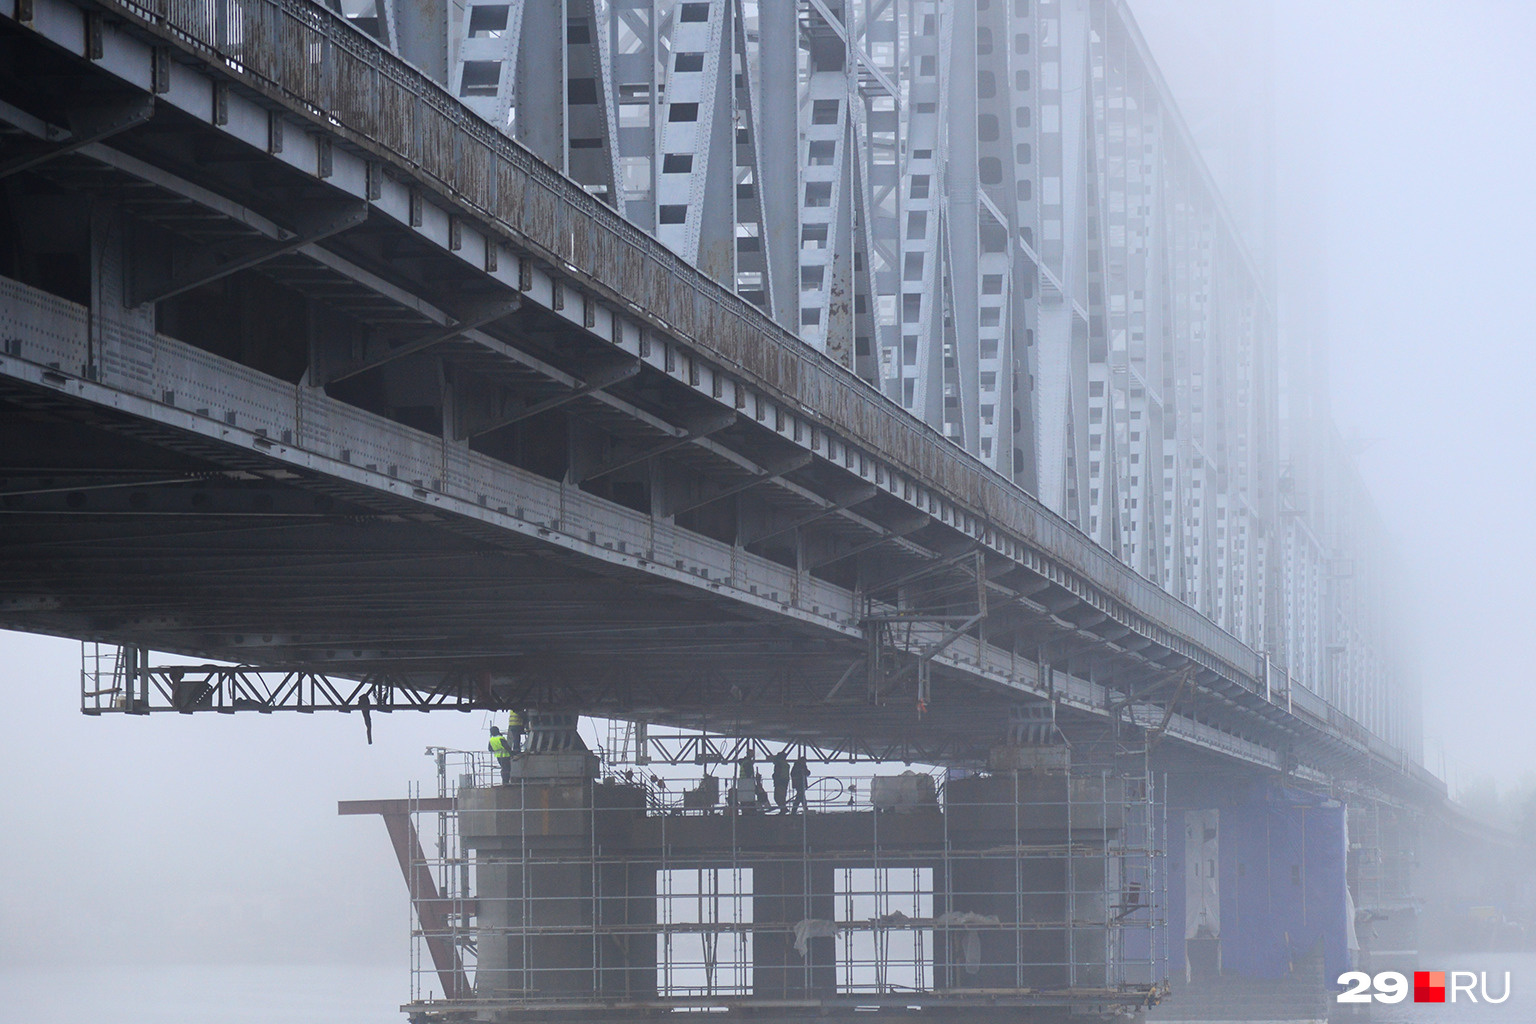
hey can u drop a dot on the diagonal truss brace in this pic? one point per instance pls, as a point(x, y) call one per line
point(877, 627)
point(148, 285)
point(88, 123)
point(136, 688)
point(682, 435)
point(856, 496)
point(432, 909)
point(903, 529)
point(765, 475)
point(474, 423)
point(381, 351)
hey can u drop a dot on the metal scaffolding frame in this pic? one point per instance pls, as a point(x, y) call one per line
point(120, 679)
point(1064, 905)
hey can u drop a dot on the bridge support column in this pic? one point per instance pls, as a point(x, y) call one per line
point(1384, 851)
point(1260, 877)
point(784, 893)
point(1029, 883)
point(561, 910)
point(112, 317)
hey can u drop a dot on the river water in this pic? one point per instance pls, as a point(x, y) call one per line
point(371, 995)
point(287, 994)
point(1520, 1008)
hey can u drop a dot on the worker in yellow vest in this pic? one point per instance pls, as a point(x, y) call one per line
point(503, 754)
point(515, 731)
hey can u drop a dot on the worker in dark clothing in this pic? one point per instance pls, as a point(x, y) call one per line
point(745, 791)
point(800, 778)
point(503, 754)
point(781, 780)
point(759, 795)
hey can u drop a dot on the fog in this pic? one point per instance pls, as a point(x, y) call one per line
point(140, 842)
point(1403, 154)
point(1404, 137)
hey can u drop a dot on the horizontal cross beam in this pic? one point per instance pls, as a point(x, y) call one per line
point(189, 689)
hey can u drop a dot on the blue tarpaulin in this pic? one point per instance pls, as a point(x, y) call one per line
point(1280, 876)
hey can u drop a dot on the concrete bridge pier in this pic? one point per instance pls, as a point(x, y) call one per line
point(785, 892)
point(1030, 848)
point(1003, 889)
point(1385, 853)
point(556, 916)
point(1260, 873)
point(1261, 916)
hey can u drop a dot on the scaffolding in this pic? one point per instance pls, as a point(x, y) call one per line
point(111, 678)
point(1381, 859)
point(589, 886)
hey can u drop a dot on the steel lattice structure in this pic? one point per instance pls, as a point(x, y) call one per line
point(310, 367)
point(880, 378)
point(1017, 241)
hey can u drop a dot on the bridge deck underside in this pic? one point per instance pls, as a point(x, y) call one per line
point(136, 532)
point(133, 537)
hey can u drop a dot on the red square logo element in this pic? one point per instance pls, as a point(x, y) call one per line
point(1429, 986)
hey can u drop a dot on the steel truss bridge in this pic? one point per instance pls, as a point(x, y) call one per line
point(309, 366)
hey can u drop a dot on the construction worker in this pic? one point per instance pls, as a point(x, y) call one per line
point(745, 790)
point(800, 776)
point(503, 754)
point(515, 731)
point(781, 780)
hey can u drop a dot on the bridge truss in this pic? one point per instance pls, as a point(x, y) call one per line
point(1017, 241)
point(310, 367)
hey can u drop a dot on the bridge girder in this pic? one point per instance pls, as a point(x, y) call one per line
point(519, 303)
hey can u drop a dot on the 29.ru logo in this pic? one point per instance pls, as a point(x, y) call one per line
point(1428, 987)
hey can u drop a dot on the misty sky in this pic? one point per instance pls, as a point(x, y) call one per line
point(1406, 141)
point(1405, 145)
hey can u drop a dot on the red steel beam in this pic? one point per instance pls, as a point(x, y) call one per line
point(431, 908)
